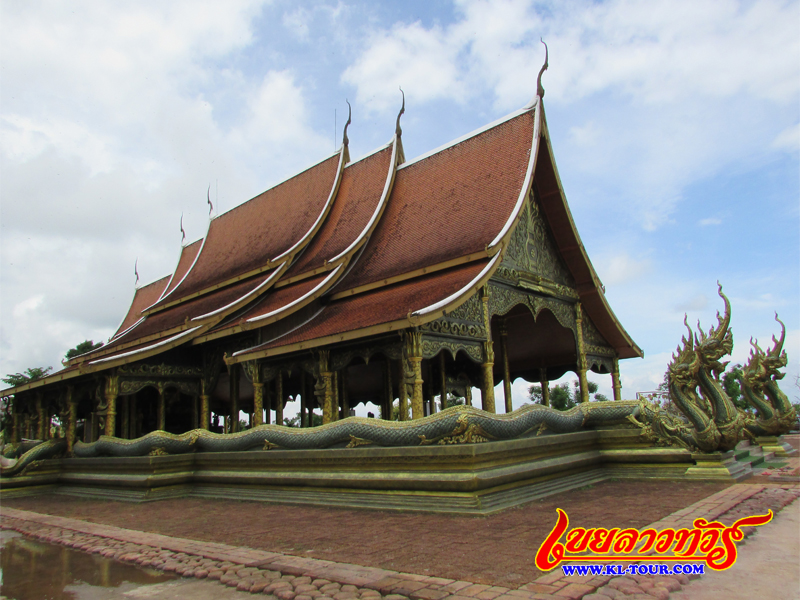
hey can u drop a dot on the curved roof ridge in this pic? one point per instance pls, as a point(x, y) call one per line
point(181, 254)
point(140, 290)
point(180, 294)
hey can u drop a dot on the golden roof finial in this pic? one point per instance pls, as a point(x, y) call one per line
point(345, 139)
point(397, 129)
point(539, 88)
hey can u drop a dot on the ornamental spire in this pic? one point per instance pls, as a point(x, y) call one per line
point(136, 271)
point(208, 198)
point(345, 139)
point(539, 88)
point(397, 130)
point(183, 232)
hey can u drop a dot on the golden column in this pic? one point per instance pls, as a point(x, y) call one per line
point(414, 352)
point(111, 392)
point(402, 393)
point(335, 393)
point(545, 386)
point(279, 398)
point(258, 395)
point(72, 417)
point(162, 408)
point(581, 354)
point(615, 380)
point(487, 368)
point(40, 412)
point(506, 368)
point(303, 400)
point(233, 375)
point(326, 386)
point(15, 421)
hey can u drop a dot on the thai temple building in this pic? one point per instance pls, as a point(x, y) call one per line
point(381, 280)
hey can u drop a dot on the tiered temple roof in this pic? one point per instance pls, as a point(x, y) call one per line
point(345, 251)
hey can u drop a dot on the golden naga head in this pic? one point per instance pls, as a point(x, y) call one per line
point(718, 342)
point(685, 361)
point(775, 358)
point(754, 373)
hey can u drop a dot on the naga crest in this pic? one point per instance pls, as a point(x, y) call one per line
point(685, 362)
point(718, 342)
point(775, 359)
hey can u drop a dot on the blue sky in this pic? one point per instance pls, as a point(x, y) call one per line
point(675, 126)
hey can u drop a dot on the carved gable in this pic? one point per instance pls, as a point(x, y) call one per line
point(532, 248)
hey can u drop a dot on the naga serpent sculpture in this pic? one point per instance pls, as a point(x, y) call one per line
point(759, 383)
point(710, 421)
point(454, 425)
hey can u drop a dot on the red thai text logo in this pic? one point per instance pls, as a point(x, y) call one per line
point(712, 543)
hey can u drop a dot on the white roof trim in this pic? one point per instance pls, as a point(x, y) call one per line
point(322, 213)
point(297, 300)
point(378, 209)
point(274, 275)
point(453, 297)
point(311, 318)
point(526, 186)
point(147, 348)
point(463, 138)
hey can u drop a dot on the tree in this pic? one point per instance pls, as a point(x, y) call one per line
point(562, 397)
point(82, 348)
point(730, 383)
point(31, 374)
point(316, 421)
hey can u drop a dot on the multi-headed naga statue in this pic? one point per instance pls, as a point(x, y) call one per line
point(710, 421)
point(759, 383)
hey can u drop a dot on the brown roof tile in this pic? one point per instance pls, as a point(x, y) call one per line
point(188, 254)
point(449, 204)
point(383, 305)
point(275, 299)
point(144, 297)
point(249, 236)
point(177, 315)
point(359, 192)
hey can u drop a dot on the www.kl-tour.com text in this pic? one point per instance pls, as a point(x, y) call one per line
point(643, 569)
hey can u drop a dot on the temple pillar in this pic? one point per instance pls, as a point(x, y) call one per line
point(487, 367)
point(258, 396)
point(414, 352)
point(40, 412)
point(205, 411)
point(15, 422)
point(468, 395)
point(324, 387)
point(279, 398)
point(615, 381)
point(584, 384)
point(506, 369)
point(442, 380)
point(545, 387)
point(72, 418)
point(162, 408)
point(26, 427)
point(303, 401)
point(111, 393)
point(402, 393)
point(233, 375)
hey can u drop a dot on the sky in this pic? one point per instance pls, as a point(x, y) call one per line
point(675, 127)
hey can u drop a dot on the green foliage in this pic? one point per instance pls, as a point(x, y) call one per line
point(564, 397)
point(29, 375)
point(316, 421)
point(732, 388)
point(82, 348)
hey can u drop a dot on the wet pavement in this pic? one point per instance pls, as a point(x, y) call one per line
point(32, 570)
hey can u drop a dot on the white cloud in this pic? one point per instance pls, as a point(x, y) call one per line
point(710, 221)
point(622, 268)
point(788, 139)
